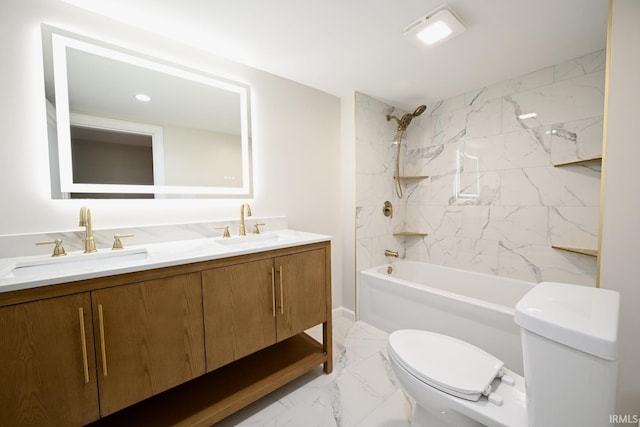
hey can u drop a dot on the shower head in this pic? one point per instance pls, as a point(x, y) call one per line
point(404, 121)
point(421, 109)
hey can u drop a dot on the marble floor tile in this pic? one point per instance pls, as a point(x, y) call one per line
point(362, 390)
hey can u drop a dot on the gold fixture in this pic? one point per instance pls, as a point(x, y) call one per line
point(394, 254)
point(403, 122)
point(58, 250)
point(281, 294)
point(117, 243)
point(410, 234)
point(243, 231)
point(83, 341)
point(256, 227)
point(226, 233)
point(103, 349)
point(273, 290)
point(389, 270)
point(85, 221)
point(387, 209)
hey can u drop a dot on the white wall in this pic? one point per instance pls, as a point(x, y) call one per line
point(620, 246)
point(296, 138)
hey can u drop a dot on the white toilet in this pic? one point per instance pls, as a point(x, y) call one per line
point(569, 339)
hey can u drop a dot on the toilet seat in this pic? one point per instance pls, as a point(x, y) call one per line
point(446, 363)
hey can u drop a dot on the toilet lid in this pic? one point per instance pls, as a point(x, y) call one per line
point(446, 363)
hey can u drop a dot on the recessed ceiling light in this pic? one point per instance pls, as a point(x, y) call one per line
point(142, 97)
point(438, 25)
point(527, 116)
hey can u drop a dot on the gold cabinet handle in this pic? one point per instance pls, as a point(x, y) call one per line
point(273, 290)
point(83, 340)
point(103, 349)
point(281, 294)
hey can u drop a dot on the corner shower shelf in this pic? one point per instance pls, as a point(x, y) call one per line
point(579, 162)
point(410, 234)
point(407, 177)
point(588, 252)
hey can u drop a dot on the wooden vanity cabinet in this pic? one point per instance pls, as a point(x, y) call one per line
point(185, 345)
point(300, 292)
point(239, 311)
point(47, 363)
point(149, 338)
point(251, 305)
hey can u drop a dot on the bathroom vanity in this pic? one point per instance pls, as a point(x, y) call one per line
point(183, 342)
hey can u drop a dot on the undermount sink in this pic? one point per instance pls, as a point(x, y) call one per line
point(73, 261)
point(255, 241)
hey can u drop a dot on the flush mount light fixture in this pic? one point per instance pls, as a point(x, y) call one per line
point(438, 25)
point(143, 97)
point(527, 116)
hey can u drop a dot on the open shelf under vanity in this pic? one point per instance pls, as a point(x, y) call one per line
point(214, 396)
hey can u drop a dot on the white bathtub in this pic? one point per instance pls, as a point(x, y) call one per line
point(475, 307)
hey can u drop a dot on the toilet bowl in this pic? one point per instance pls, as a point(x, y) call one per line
point(569, 338)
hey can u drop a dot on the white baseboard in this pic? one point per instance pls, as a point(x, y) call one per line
point(344, 312)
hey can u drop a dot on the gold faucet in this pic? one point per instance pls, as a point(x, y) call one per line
point(388, 252)
point(243, 231)
point(85, 221)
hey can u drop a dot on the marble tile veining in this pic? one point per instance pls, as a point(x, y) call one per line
point(494, 201)
point(362, 391)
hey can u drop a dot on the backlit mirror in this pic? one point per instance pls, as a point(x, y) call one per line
point(124, 125)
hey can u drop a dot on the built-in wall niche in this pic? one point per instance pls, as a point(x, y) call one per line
point(196, 125)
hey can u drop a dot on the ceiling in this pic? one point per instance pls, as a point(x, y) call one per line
point(342, 46)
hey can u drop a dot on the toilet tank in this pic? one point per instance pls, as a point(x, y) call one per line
point(569, 341)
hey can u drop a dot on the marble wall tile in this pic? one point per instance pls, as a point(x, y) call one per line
point(536, 263)
point(519, 84)
point(466, 254)
point(473, 188)
point(526, 148)
point(437, 220)
point(576, 140)
point(567, 100)
point(418, 248)
point(371, 223)
point(417, 192)
point(550, 186)
point(580, 66)
point(484, 118)
point(576, 227)
point(435, 159)
point(525, 224)
point(474, 221)
point(446, 105)
point(493, 201)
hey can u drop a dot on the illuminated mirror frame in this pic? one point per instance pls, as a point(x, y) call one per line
point(60, 43)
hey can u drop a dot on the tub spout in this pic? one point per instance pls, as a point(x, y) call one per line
point(394, 254)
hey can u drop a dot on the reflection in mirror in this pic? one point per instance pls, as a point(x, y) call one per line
point(123, 125)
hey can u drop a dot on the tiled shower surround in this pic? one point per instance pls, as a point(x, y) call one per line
point(493, 201)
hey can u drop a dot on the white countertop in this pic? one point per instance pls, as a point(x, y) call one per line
point(35, 271)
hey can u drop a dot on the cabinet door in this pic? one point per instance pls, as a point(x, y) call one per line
point(239, 310)
point(149, 338)
point(301, 299)
point(47, 363)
